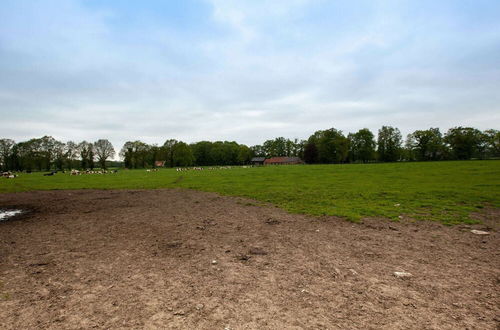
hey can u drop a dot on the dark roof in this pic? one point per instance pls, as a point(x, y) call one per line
point(258, 159)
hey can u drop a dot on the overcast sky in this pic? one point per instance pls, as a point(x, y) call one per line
point(244, 70)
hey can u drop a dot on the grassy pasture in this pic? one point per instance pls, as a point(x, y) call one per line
point(441, 191)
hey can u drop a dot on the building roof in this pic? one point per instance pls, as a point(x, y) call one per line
point(258, 159)
point(284, 160)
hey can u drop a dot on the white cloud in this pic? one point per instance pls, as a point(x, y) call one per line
point(263, 69)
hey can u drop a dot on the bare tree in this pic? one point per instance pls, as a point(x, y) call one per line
point(71, 154)
point(86, 153)
point(104, 150)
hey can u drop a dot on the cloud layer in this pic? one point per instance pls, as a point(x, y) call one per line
point(245, 70)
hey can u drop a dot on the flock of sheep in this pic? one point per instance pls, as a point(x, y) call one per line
point(77, 172)
point(181, 169)
point(9, 175)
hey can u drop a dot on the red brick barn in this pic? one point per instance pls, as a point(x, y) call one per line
point(283, 161)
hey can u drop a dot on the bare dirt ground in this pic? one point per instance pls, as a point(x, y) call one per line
point(193, 260)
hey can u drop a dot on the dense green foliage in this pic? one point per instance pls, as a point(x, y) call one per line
point(389, 144)
point(442, 191)
point(46, 153)
point(426, 145)
point(362, 146)
point(328, 146)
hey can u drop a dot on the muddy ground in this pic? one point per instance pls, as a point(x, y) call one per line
point(191, 260)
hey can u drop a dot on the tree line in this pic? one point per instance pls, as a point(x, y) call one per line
point(323, 147)
point(137, 154)
point(47, 153)
point(332, 146)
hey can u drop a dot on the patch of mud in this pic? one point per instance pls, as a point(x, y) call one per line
point(181, 259)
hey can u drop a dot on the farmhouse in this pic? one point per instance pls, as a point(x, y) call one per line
point(283, 161)
point(258, 160)
point(159, 163)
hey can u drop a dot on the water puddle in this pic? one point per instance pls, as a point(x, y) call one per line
point(5, 214)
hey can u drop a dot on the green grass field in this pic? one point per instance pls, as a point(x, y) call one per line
point(441, 191)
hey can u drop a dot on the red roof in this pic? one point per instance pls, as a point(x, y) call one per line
point(283, 160)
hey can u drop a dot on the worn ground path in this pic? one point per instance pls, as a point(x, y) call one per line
point(194, 260)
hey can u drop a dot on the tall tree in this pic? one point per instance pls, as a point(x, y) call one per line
point(426, 144)
point(59, 154)
point(29, 155)
point(182, 155)
point(465, 142)
point(86, 153)
point(202, 152)
point(71, 155)
point(155, 153)
point(169, 147)
point(103, 150)
point(6, 146)
point(492, 139)
point(135, 154)
point(311, 153)
point(275, 148)
point(245, 154)
point(332, 146)
point(389, 144)
point(47, 145)
point(362, 145)
point(258, 151)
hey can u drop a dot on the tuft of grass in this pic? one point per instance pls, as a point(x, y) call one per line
point(440, 191)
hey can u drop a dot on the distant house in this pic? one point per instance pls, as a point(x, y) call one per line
point(159, 163)
point(258, 160)
point(283, 161)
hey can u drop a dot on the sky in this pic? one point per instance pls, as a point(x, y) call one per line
point(245, 71)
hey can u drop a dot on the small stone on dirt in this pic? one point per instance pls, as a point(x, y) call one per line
point(336, 272)
point(353, 272)
point(243, 257)
point(402, 274)
point(214, 262)
point(272, 221)
point(479, 232)
point(199, 306)
point(44, 292)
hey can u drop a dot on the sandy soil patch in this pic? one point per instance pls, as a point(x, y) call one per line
point(186, 259)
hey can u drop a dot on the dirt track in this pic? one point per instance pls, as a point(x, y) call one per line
point(185, 259)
